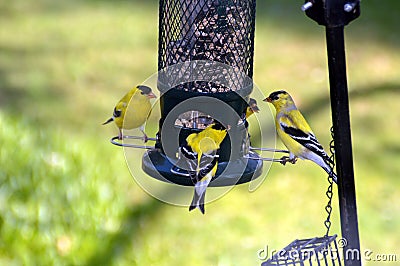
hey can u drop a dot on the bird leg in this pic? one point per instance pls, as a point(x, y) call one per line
point(120, 136)
point(145, 137)
point(290, 159)
point(284, 160)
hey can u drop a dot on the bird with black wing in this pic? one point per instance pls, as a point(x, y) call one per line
point(132, 110)
point(200, 152)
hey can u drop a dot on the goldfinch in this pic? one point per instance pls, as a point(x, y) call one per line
point(201, 155)
point(296, 134)
point(132, 110)
point(252, 108)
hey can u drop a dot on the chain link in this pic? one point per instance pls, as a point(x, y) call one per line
point(329, 192)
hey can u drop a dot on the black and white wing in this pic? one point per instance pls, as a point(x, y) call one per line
point(308, 140)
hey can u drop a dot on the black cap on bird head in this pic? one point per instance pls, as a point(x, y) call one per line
point(145, 90)
point(253, 105)
point(274, 96)
point(218, 126)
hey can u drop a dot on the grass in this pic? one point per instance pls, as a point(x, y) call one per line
point(66, 194)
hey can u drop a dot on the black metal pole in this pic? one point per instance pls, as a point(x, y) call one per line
point(343, 146)
point(335, 15)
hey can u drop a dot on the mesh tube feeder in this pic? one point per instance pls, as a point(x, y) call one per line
point(205, 63)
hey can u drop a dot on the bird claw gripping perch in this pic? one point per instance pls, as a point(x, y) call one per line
point(286, 159)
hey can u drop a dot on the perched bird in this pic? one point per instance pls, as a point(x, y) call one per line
point(252, 108)
point(201, 155)
point(296, 134)
point(132, 110)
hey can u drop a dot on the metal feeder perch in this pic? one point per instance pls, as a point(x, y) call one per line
point(205, 63)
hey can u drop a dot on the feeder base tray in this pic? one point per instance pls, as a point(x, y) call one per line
point(157, 165)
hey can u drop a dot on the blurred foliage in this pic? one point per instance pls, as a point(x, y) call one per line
point(66, 195)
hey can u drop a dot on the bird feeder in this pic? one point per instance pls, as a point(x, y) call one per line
point(205, 63)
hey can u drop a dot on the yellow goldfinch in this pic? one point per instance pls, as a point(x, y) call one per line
point(200, 153)
point(296, 134)
point(132, 110)
point(252, 108)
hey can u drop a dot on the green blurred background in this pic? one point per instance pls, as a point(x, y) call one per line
point(66, 194)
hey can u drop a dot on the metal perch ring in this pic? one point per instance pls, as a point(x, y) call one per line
point(282, 160)
point(115, 140)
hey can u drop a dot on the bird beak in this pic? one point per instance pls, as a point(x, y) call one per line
point(108, 121)
point(268, 100)
point(228, 127)
point(151, 95)
point(255, 108)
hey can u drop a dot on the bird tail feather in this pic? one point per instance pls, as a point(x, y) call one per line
point(324, 164)
point(198, 202)
point(199, 195)
point(108, 121)
point(330, 172)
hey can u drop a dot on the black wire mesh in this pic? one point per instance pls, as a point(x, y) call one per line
point(312, 251)
point(205, 63)
point(207, 30)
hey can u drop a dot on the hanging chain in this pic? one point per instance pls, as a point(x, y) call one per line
point(329, 192)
